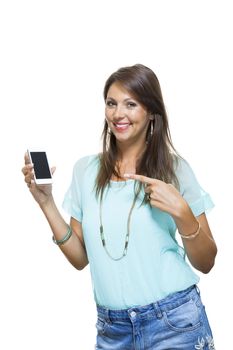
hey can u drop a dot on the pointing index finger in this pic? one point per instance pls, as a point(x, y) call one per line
point(141, 178)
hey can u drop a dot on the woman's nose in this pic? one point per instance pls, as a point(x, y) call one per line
point(119, 112)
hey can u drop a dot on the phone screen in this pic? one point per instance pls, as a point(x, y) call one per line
point(41, 165)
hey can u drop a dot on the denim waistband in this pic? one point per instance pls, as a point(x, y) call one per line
point(170, 302)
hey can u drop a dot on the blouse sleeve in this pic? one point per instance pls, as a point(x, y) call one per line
point(72, 202)
point(198, 199)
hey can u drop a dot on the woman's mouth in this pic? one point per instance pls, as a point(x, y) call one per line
point(121, 126)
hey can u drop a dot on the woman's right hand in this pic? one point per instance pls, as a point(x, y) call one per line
point(41, 193)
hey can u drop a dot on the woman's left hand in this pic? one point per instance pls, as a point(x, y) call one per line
point(162, 195)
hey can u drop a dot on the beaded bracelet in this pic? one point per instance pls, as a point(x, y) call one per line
point(64, 239)
point(193, 235)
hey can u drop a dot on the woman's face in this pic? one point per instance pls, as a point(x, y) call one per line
point(126, 117)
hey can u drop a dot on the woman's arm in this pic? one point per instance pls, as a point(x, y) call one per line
point(202, 249)
point(74, 248)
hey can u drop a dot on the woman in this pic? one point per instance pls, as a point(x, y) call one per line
point(126, 205)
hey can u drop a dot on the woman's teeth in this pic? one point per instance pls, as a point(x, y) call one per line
point(122, 126)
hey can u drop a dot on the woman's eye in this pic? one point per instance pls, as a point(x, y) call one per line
point(131, 104)
point(110, 103)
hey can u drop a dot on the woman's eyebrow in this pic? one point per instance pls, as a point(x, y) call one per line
point(125, 100)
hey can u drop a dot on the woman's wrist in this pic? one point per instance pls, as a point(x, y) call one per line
point(181, 211)
point(47, 203)
point(187, 224)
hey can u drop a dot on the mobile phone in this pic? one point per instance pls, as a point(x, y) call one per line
point(42, 173)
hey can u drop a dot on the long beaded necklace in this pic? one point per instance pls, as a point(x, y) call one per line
point(126, 236)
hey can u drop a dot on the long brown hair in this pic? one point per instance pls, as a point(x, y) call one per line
point(158, 159)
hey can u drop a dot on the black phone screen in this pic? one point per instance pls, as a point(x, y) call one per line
point(41, 165)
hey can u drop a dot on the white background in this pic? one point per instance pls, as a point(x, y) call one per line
point(55, 57)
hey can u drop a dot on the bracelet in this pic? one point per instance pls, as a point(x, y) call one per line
point(64, 239)
point(193, 235)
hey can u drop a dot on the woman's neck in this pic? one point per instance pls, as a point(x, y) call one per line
point(128, 158)
point(130, 153)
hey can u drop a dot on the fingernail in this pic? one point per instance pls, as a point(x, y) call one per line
point(127, 175)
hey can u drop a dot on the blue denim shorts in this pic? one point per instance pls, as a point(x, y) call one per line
point(177, 322)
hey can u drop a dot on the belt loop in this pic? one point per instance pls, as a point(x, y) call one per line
point(197, 289)
point(157, 310)
point(107, 315)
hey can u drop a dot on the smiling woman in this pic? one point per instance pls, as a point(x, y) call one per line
point(138, 193)
point(133, 96)
point(127, 118)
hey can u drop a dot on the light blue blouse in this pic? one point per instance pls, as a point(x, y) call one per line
point(155, 264)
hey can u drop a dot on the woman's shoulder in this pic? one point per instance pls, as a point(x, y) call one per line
point(85, 162)
point(184, 173)
point(181, 165)
point(186, 176)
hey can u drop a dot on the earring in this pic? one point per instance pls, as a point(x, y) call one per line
point(151, 128)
